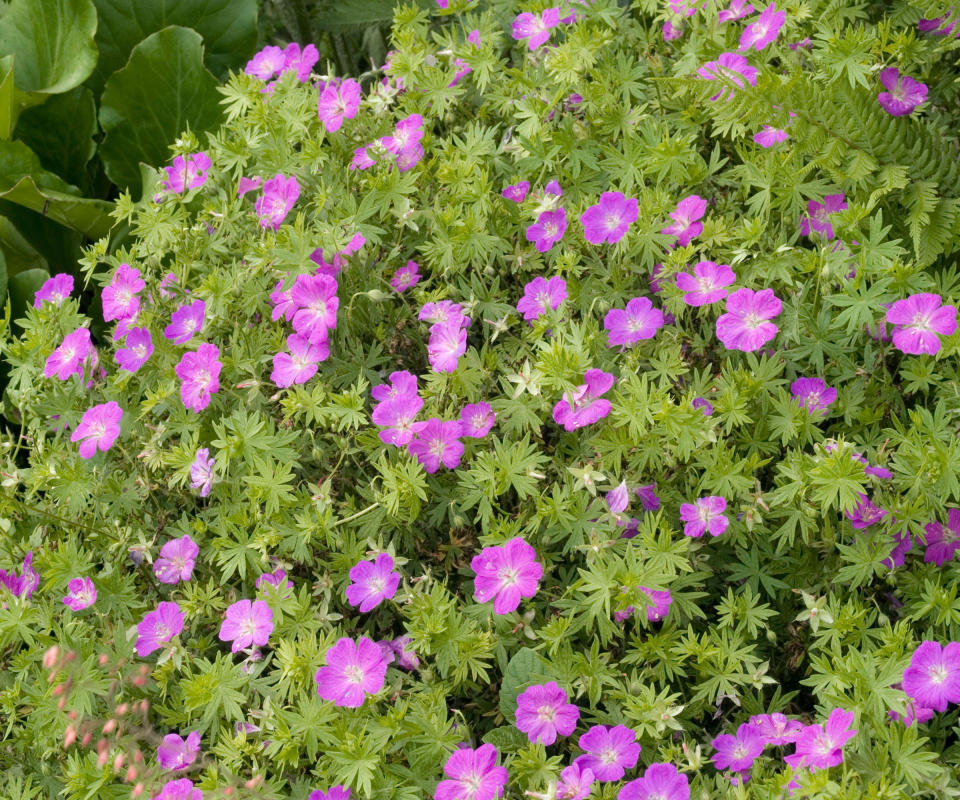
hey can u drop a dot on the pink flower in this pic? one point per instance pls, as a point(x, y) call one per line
point(506, 573)
point(199, 373)
point(300, 364)
point(737, 753)
point(914, 713)
point(822, 747)
point(472, 775)
point(737, 10)
point(337, 103)
point(584, 405)
point(437, 442)
point(401, 650)
point(864, 513)
point(776, 729)
point(638, 321)
point(406, 277)
point(903, 543)
point(248, 185)
point(81, 594)
point(704, 515)
point(609, 220)
point(707, 284)
point(177, 559)
point(575, 783)
point(443, 311)
point(618, 499)
point(745, 325)
point(813, 394)
point(338, 792)
point(731, 67)
point(353, 671)
point(817, 217)
point(68, 358)
point(671, 31)
point(373, 582)
point(158, 627)
point(535, 28)
point(919, 321)
point(21, 585)
point(398, 417)
point(660, 602)
point(315, 297)
point(541, 295)
point(180, 789)
point(201, 471)
point(516, 192)
point(659, 782)
point(933, 677)
point(54, 290)
point(770, 136)
point(187, 172)
point(543, 712)
point(402, 383)
point(609, 751)
point(763, 30)
point(448, 341)
point(686, 8)
point(247, 624)
point(301, 61)
point(941, 545)
point(136, 350)
point(903, 92)
point(119, 298)
point(177, 753)
point(686, 225)
point(648, 497)
point(279, 195)
point(185, 322)
point(278, 579)
point(548, 229)
point(476, 420)
point(267, 63)
point(98, 429)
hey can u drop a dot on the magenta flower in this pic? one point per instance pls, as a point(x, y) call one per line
point(407, 135)
point(660, 602)
point(338, 792)
point(448, 341)
point(353, 670)
point(821, 747)
point(942, 544)
point(575, 783)
point(535, 28)
point(185, 322)
point(914, 713)
point(609, 751)
point(401, 383)
point(98, 429)
point(54, 290)
point(180, 789)
point(737, 9)
point(68, 358)
point(548, 229)
point(903, 544)
point(648, 497)
point(279, 195)
point(177, 753)
point(301, 61)
point(770, 136)
point(737, 753)
point(200, 376)
point(406, 277)
point(731, 67)
point(671, 31)
point(158, 627)
point(707, 284)
point(584, 405)
point(516, 192)
point(659, 782)
point(399, 650)
point(436, 443)
point(245, 185)
point(541, 295)
point(177, 559)
point(817, 217)
point(554, 187)
point(315, 297)
point(278, 579)
point(865, 513)
point(373, 582)
point(618, 499)
point(686, 8)
point(903, 92)
point(686, 224)
point(119, 298)
point(933, 677)
point(704, 404)
point(476, 420)
point(543, 712)
point(813, 394)
point(81, 594)
point(506, 573)
point(609, 220)
point(638, 321)
point(337, 103)
point(247, 624)
point(763, 30)
point(137, 349)
point(777, 729)
point(300, 364)
point(919, 320)
point(267, 63)
point(472, 775)
point(745, 325)
point(704, 516)
point(398, 417)
point(201, 471)
point(187, 172)
point(24, 584)
point(442, 312)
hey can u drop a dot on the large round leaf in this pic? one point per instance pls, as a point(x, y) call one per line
point(228, 28)
point(52, 41)
point(23, 286)
point(163, 90)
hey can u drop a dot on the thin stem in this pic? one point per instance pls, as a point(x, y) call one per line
point(352, 517)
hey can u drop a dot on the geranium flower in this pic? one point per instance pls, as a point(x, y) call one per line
point(671, 31)
point(267, 63)
point(770, 136)
point(903, 543)
point(338, 792)
point(158, 627)
point(67, 359)
point(610, 219)
point(864, 513)
point(22, 585)
point(543, 712)
point(300, 364)
point(279, 195)
point(506, 573)
point(247, 624)
point(338, 102)
point(301, 61)
point(436, 443)
point(447, 342)
point(737, 753)
point(648, 497)
point(185, 322)
point(353, 670)
point(187, 172)
point(199, 373)
point(401, 383)
point(541, 295)
point(942, 544)
point(732, 67)
point(54, 290)
point(245, 185)
point(136, 351)
point(919, 320)
point(703, 404)
point(398, 416)
point(399, 650)
point(176, 561)
point(119, 298)
point(315, 297)
point(686, 225)
point(763, 30)
point(584, 405)
point(476, 420)
point(618, 498)
point(638, 321)
point(737, 9)
point(813, 394)
point(745, 325)
point(516, 192)
point(777, 729)
point(373, 582)
point(707, 284)
point(177, 753)
point(903, 92)
point(821, 747)
point(548, 229)
point(609, 751)
point(98, 429)
point(575, 783)
point(659, 782)
point(180, 789)
point(817, 217)
point(535, 28)
point(81, 594)
point(704, 516)
point(201, 471)
point(406, 277)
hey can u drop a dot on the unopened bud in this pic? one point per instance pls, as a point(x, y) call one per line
point(69, 736)
point(118, 760)
point(102, 759)
point(50, 657)
point(86, 739)
point(131, 775)
point(109, 726)
point(137, 790)
point(61, 703)
point(104, 658)
point(122, 709)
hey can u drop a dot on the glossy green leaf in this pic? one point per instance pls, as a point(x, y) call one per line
point(8, 115)
point(23, 286)
point(163, 90)
point(228, 28)
point(3, 276)
point(19, 253)
point(525, 669)
point(52, 41)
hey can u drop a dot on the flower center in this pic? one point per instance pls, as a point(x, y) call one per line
point(608, 755)
point(161, 631)
point(938, 674)
point(921, 322)
point(472, 782)
point(611, 221)
point(546, 713)
point(437, 447)
point(752, 320)
point(377, 585)
point(354, 673)
point(249, 628)
point(740, 751)
point(508, 576)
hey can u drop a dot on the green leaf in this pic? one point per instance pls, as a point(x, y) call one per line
point(19, 253)
point(163, 90)
point(8, 105)
point(228, 28)
point(61, 133)
point(525, 669)
point(52, 41)
point(23, 286)
point(3, 277)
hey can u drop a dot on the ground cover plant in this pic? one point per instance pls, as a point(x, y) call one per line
point(567, 409)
